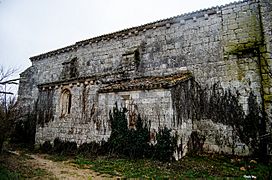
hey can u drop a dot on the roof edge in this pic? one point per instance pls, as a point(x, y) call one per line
point(135, 30)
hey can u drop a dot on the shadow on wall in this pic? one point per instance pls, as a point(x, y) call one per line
point(191, 101)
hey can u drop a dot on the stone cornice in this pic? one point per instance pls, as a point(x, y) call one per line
point(113, 82)
point(146, 83)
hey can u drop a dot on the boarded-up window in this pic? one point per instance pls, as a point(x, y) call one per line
point(66, 102)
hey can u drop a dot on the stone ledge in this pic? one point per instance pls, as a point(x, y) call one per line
point(147, 83)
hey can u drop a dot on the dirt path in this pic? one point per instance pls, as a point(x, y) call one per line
point(62, 169)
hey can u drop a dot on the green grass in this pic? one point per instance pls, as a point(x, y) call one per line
point(57, 157)
point(15, 167)
point(126, 168)
point(39, 172)
point(259, 170)
point(189, 167)
point(5, 174)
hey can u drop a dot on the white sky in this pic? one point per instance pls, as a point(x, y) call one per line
point(32, 27)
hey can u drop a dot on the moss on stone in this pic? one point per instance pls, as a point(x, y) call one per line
point(268, 98)
point(241, 75)
point(252, 37)
point(249, 40)
point(266, 78)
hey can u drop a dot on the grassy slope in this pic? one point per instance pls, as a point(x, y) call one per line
point(15, 167)
point(204, 166)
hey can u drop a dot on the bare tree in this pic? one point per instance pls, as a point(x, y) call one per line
point(8, 111)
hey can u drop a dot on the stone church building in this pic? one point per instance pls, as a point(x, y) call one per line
point(203, 73)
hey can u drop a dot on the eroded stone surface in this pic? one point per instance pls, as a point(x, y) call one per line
point(226, 48)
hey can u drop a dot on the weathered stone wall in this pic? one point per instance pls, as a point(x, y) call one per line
point(228, 45)
point(92, 123)
point(154, 105)
point(79, 126)
point(28, 91)
point(266, 66)
point(205, 42)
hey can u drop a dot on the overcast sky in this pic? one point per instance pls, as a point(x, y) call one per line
point(32, 27)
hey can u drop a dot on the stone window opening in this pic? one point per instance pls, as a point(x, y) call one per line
point(131, 59)
point(70, 69)
point(137, 58)
point(66, 102)
point(73, 68)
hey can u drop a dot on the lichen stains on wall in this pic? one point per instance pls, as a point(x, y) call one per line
point(218, 117)
point(45, 107)
point(198, 73)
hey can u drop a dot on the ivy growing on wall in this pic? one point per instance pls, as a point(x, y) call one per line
point(45, 107)
point(166, 145)
point(119, 130)
point(191, 101)
point(135, 142)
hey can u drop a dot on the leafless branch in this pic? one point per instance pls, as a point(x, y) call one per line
point(4, 74)
point(8, 104)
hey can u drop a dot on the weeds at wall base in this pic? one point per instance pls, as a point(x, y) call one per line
point(132, 143)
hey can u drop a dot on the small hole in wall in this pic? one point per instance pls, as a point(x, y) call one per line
point(88, 63)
